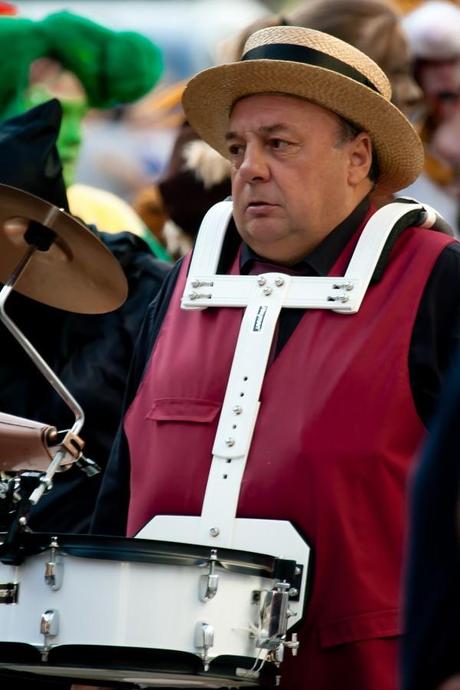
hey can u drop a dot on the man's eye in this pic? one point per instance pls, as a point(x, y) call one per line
point(278, 144)
point(235, 150)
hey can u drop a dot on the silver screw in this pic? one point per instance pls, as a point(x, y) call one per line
point(261, 280)
point(237, 409)
point(268, 291)
point(279, 282)
point(230, 442)
point(214, 531)
point(343, 286)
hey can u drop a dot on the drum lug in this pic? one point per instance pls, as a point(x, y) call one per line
point(210, 582)
point(204, 640)
point(54, 567)
point(49, 627)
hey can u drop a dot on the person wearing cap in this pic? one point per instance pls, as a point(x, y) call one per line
point(307, 123)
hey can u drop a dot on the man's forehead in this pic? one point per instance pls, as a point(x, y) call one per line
point(275, 96)
point(278, 111)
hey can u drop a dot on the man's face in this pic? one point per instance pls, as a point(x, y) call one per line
point(291, 175)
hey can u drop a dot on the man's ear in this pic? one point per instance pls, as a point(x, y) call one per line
point(360, 158)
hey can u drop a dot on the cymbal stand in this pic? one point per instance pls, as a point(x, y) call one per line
point(50, 376)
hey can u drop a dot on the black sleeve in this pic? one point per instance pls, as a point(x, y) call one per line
point(111, 511)
point(436, 334)
point(430, 651)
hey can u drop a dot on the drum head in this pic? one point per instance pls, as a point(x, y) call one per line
point(116, 665)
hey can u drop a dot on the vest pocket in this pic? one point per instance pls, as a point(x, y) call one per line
point(193, 410)
point(364, 626)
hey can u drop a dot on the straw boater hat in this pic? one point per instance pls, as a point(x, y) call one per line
point(322, 69)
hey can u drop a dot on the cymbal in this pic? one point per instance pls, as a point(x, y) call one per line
point(77, 273)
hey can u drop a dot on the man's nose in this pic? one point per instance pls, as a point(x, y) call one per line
point(255, 164)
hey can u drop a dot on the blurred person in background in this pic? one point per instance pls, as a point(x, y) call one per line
point(82, 63)
point(433, 29)
point(196, 177)
point(85, 65)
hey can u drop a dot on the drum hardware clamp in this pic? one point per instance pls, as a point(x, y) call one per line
point(204, 640)
point(49, 627)
point(54, 567)
point(274, 613)
point(209, 583)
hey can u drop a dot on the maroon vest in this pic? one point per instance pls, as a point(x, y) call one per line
point(333, 443)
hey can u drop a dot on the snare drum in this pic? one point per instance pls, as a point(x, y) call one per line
point(155, 613)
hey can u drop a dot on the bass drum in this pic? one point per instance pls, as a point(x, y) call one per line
point(112, 610)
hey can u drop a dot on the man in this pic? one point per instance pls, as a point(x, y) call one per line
point(308, 126)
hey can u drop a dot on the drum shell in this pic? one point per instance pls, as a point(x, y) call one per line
point(130, 604)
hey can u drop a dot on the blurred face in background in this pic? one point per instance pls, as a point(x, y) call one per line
point(440, 81)
point(49, 80)
point(396, 62)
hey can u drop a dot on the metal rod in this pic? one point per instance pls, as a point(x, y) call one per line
point(46, 480)
point(37, 359)
point(43, 367)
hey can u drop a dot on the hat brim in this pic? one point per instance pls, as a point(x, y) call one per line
point(211, 94)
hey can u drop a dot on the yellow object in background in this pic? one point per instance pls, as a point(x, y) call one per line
point(110, 213)
point(103, 209)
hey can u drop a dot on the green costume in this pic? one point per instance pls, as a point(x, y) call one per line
point(114, 67)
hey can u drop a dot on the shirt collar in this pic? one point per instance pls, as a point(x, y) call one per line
point(323, 257)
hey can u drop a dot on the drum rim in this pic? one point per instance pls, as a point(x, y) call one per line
point(135, 550)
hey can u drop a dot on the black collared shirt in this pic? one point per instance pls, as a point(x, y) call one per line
point(435, 338)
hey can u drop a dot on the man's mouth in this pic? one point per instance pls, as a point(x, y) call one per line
point(255, 204)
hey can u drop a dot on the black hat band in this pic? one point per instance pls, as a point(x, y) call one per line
point(309, 56)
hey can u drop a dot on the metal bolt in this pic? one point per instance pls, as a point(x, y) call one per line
point(193, 295)
point(293, 592)
point(214, 531)
point(195, 283)
point(297, 570)
point(261, 280)
point(340, 298)
point(230, 442)
point(279, 282)
point(268, 291)
point(343, 286)
point(237, 409)
point(23, 521)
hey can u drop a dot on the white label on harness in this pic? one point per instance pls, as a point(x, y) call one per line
point(259, 320)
